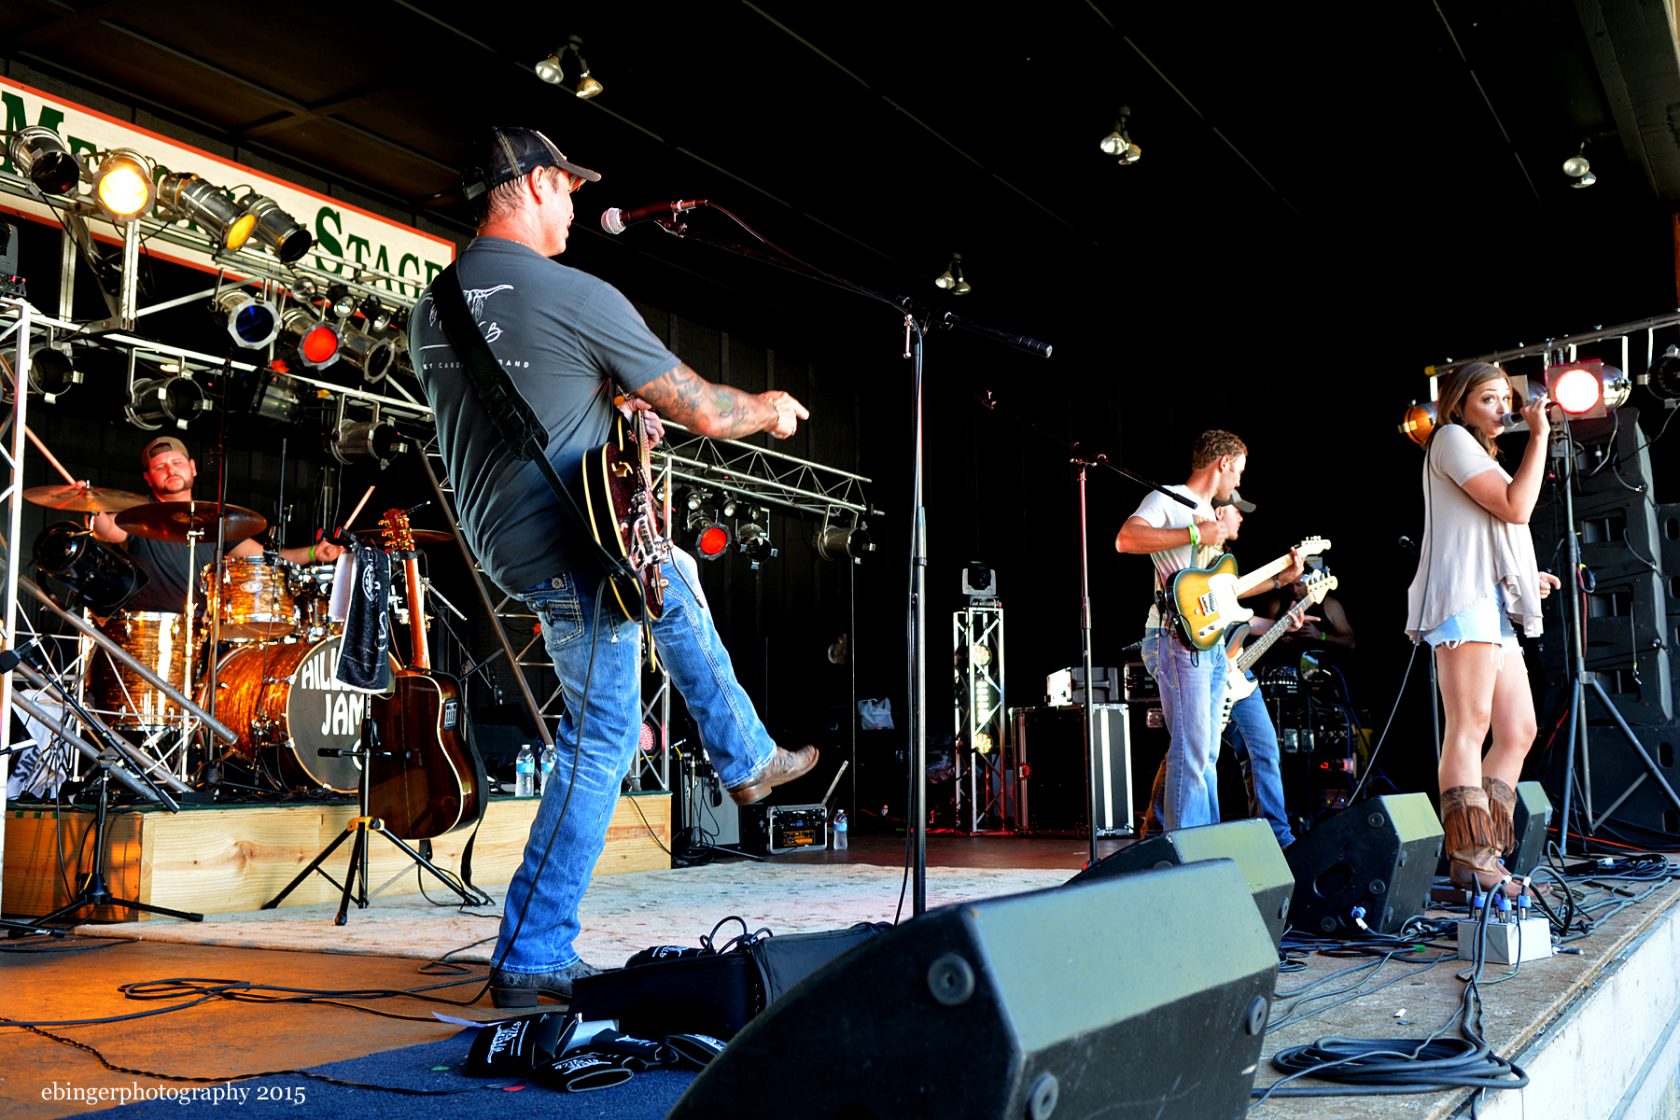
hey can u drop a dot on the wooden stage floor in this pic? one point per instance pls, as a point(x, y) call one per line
point(1595, 1031)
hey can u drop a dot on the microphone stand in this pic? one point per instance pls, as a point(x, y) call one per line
point(914, 337)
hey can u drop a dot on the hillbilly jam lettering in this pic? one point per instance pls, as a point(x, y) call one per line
point(341, 707)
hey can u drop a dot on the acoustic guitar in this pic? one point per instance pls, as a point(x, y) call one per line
point(427, 778)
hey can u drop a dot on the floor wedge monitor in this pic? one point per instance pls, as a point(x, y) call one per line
point(1123, 996)
point(1379, 856)
point(1250, 843)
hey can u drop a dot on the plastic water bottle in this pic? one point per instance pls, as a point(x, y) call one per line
point(547, 768)
point(525, 772)
point(840, 829)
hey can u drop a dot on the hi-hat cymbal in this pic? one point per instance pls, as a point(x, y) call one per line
point(172, 521)
point(83, 499)
point(418, 536)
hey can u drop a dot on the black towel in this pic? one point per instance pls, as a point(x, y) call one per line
point(364, 656)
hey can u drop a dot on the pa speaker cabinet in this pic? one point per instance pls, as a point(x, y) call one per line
point(1022, 1007)
point(1049, 768)
point(1532, 818)
point(1250, 844)
point(1379, 854)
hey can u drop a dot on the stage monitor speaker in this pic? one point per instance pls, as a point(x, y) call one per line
point(1379, 854)
point(1250, 843)
point(1532, 818)
point(1125, 996)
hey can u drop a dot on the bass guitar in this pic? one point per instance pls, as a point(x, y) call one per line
point(1240, 660)
point(1204, 600)
point(427, 779)
point(628, 514)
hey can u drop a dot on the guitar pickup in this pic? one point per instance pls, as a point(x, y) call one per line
point(451, 714)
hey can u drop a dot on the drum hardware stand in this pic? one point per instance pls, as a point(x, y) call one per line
point(355, 886)
point(95, 889)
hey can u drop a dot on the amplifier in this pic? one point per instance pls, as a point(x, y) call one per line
point(779, 829)
point(1067, 686)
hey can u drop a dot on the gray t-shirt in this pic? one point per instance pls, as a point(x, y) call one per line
point(565, 339)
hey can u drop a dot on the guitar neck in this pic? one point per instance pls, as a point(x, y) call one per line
point(420, 655)
point(1255, 650)
point(1261, 575)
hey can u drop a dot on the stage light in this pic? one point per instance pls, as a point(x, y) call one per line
point(1419, 421)
point(951, 280)
point(318, 343)
point(352, 442)
point(711, 537)
point(373, 356)
point(52, 370)
point(173, 401)
point(1118, 143)
point(251, 322)
point(1579, 170)
point(378, 316)
point(835, 542)
point(753, 537)
point(186, 195)
point(552, 69)
point(278, 229)
point(123, 185)
point(40, 156)
point(340, 302)
point(273, 396)
point(1587, 390)
point(1663, 378)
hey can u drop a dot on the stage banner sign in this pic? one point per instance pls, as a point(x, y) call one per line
point(349, 241)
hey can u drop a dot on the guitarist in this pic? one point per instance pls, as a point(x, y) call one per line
point(1176, 536)
point(563, 339)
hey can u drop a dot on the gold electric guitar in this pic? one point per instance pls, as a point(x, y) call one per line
point(1205, 599)
point(1240, 660)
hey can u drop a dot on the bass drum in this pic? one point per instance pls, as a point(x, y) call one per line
point(287, 707)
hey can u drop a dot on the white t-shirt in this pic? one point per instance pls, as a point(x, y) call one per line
point(1161, 512)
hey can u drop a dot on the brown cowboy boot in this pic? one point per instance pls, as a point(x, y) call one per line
point(1150, 823)
point(1472, 851)
point(1502, 803)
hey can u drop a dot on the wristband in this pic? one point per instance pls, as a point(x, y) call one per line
point(1195, 539)
point(1275, 583)
point(312, 554)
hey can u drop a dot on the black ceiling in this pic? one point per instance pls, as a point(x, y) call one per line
point(1302, 163)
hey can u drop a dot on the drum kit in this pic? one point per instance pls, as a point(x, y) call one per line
point(266, 619)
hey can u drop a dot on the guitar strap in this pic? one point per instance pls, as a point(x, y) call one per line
point(518, 425)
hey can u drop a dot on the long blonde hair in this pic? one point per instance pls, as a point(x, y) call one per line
point(1456, 385)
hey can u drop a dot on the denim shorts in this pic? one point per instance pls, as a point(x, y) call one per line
point(1483, 621)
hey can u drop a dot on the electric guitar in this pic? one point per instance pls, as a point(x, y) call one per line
point(628, 514)
point(427, 778)
point(1204, 600)
point(1240, 660)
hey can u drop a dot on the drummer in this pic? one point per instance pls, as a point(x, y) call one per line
point(169, 472)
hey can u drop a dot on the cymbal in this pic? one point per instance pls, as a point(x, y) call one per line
point(419, 536)
point(172, 521)
point(83, 499)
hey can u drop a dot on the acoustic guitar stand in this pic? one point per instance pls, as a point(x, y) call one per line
point(364, 824)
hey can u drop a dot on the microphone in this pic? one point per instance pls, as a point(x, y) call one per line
point(10, 659)
point(616, 221)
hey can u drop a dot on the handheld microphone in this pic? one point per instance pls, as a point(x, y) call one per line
point(616, 221)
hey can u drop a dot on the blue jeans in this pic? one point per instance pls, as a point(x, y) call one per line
point(1254, 741)
point(580, 799)
point(1192, 688)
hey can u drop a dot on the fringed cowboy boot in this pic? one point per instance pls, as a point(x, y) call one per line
point(1502, 803)
point(1472, 850)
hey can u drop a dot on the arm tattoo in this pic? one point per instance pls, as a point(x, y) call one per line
point(712, 410)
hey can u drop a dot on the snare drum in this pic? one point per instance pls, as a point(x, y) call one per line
point(255, 597)
point(159, 641)
point(286, 705)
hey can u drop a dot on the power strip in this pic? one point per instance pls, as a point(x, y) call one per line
point(1507, 942)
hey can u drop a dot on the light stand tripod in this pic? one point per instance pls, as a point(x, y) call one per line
point(1582, 679)
point(355, 885)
